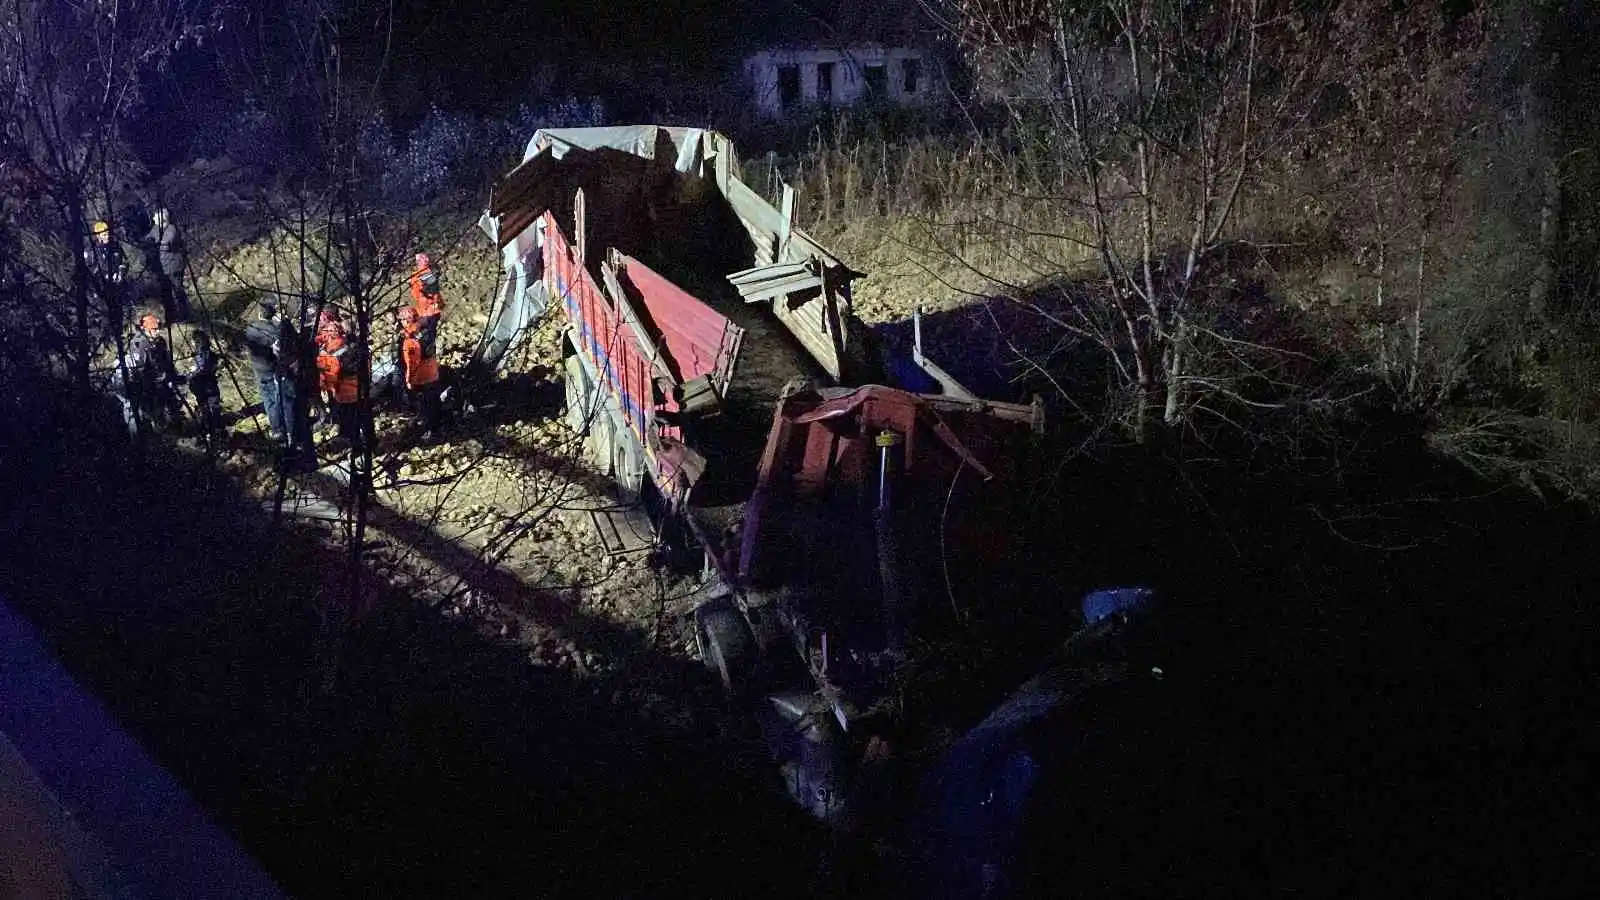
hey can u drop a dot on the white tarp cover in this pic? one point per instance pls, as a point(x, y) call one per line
point(521, 300)
point(692, 144)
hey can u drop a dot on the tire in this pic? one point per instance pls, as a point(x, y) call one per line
point(725, 644)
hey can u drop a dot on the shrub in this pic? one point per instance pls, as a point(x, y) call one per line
point(456, 151)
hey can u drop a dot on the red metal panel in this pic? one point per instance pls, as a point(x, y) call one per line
point(818, 444)
point(697, 338)
point(607, 341)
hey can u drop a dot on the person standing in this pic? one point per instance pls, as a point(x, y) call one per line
point(340, 362)
point(293, 399)
point(108, 266)
point(207, 393)
point(428, 301)
point(173, 259)
point(310, 378)
point(421, 372)
point(261, 340)
point(153, 378)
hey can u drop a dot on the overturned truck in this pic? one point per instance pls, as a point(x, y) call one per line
point(716, 370)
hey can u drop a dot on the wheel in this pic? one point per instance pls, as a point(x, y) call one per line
point(725, 644)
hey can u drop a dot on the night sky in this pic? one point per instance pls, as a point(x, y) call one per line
point(473, 50)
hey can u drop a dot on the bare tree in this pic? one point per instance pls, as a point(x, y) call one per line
point(71, 75)
point(1397, 167)
point(1149, 121)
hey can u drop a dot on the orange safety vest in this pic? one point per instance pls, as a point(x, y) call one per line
point(327, 334)
point(425, 304)
point(420, 370)
point(327, 371)
point(345, 386)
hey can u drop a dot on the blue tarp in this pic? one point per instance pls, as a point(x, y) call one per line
point(978, 796)
point(1103, 604)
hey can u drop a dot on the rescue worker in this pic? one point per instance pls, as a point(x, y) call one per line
point(173, 261)
point(202, 378)
point(262, 340)
point(153, 381)
point(339, 361)
point(428, 302)
point(327, 324)
point(421, 372)
point(328, 327)
point(108, 266)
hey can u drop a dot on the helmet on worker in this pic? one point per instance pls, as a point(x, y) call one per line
point(423, 261)
point(101, 230)
point(149, 323)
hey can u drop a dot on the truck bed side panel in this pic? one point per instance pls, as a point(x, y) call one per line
point(699, 340)
point(608, 342)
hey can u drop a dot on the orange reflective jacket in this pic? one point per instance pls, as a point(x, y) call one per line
point(426, 304)
point(420, 370)
point(342, 381)
point(327, 371)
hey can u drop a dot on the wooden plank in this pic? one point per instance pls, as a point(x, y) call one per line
point(803, 324)
point(758, 274)
point(723, 166)
point(765, 282)
point(780, 288)
point(947, 382)
point(733, 338)
point(580, 223)
point(787, 211)
point(757, 213)
point(623, 531)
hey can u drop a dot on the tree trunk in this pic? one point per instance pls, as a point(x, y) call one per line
point(1544, 272)
point(1173, 412)
point(72, 212)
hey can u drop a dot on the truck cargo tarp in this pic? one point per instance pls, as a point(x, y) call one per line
point(639, 140)
point(514, 311)
point(521, 299)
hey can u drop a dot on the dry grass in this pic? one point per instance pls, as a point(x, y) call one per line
point(934, 222)
point(940, 221)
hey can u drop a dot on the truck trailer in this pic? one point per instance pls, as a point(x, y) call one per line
point(718, 375)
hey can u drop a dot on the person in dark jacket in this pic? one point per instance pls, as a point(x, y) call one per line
point(108, 267)
point(293, 396)
point(261, 340)
point(153, 379)
point(202, 377)
point(174, 263)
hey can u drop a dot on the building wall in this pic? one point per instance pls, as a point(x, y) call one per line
point(840, 77)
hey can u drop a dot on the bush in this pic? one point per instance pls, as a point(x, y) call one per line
point(254, 137)
point(454, 151)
